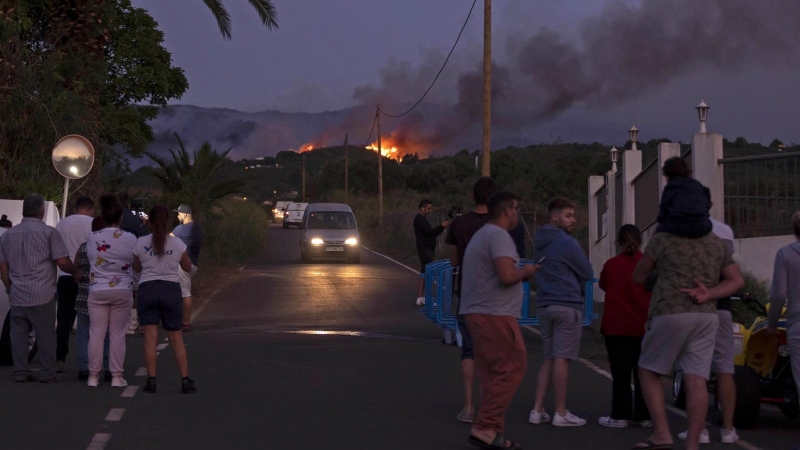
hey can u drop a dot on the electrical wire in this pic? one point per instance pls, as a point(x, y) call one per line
point(370, 131)
point(440, 70)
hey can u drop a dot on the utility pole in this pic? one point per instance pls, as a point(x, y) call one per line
point(487, 88)
point(380, 168)
point(304, 178)
point(346, 164)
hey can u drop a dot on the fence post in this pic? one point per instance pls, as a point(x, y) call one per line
point(631, 166)
point(706, 152)
point(666, 150)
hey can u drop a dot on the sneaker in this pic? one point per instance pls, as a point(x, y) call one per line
point(612, 423)
point(24, 378)
point(641, 424)
point(728, 436)
point(704, 439)
point(150, 386)
point(568, 420)
point(537, 418)
point(60, 366)
point(187, 386)
point(107, 376)
point(93, 380)
point(83, 375)
point(118, 382)
point(130, 331)
point(466, 416)
point(420, 301)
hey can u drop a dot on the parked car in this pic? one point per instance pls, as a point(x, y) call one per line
point(294, 214)
point(329, 231)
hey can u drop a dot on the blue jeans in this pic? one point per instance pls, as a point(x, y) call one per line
point(82, 342)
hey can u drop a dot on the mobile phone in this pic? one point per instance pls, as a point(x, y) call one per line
point(541, 260)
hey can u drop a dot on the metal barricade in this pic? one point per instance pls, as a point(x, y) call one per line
point(440, 304)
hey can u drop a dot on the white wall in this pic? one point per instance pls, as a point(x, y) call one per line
point(757, 255)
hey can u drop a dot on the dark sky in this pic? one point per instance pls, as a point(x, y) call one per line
point(326, 49)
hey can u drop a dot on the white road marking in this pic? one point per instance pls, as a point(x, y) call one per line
point(99, 441)
point(130, 391)
point(141, 372)
point(680, 412)
point(390, 259)
point(115, 415)
point(161, 346)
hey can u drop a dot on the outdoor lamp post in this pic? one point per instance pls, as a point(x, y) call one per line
point(633, 133)
point(614, 153)
point(702, 112)
point(73, 158)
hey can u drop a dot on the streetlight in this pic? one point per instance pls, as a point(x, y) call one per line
point(633, 133)
point(702, 112)
point(614, 153)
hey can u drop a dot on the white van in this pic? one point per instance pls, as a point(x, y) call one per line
point(329, 232)
point(294, 214)
point(277, 211)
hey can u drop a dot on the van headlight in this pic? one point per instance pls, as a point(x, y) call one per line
point(351, 241)
point(317, 241)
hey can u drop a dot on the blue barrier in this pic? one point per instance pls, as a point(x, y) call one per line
point(440, 304)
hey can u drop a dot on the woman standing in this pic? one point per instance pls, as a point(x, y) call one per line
point(623, 323)
point(786, 291)
point(110, 253)
point(159, 257)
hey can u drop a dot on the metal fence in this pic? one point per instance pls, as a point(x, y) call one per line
point(602, 209)
point(646, 195)
point(761, 193)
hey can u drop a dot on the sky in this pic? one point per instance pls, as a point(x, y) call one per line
point(325, 51)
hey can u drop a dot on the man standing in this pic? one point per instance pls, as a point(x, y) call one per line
point(189, 232)
point(133, 224)
point(426, 242)
point(491, 303)
point(74, 230)
point(458, 236)
point(29, 254)
point(559, 305)
point(682, 324)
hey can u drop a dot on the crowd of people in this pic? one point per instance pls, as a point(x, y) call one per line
point(111, 273)
point(667, 306)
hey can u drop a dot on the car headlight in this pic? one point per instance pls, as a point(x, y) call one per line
point(317, 241)
point(351, 241)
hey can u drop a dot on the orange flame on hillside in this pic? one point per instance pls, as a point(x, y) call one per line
point(387, 150)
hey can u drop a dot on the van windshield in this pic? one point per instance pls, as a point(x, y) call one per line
point(331, 220)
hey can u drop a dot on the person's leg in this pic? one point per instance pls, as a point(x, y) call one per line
point(619, 364)
point(425, 258)
point(640, 412)
point(654, 398)
point(542, 385)
point(696, 408)
point(566, 344)
point(119, 316)
point(98, 328)
point(726, 394)
point(67, 290)
point(150, 344)
point(467, 365)
point(186, 288)
point(545, 372)
point(560, 379)
point(20, 333)
point(722, 366)
point(43, 319)
point(82, 343)
point(179, 352)
point(793, 340)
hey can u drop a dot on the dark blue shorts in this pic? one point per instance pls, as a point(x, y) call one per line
point(160, 301)
point(467, 351)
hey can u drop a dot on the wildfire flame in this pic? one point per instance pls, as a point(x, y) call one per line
point(386, 150)
point(305, 148)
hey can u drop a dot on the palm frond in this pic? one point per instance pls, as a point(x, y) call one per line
point(222, 16)
point(266, 12)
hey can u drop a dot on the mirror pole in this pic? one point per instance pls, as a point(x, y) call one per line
point(64, 198)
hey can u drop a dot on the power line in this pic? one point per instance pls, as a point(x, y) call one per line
point(375, 119)
point(440, 70)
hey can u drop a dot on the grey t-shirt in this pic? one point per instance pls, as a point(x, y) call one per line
point(481, 290)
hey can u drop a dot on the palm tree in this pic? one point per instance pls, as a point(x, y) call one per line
point(266, 12)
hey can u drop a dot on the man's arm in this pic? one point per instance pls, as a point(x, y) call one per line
point(509, 274)
point(454, 262)
point(422, 225)
point(732, 281)
point(778, 291)
point(4, 275)
point(578, 262)
point(643, 269)
point(66, 265)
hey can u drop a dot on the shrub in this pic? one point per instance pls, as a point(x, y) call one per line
point(233, 232)
point(757, 289)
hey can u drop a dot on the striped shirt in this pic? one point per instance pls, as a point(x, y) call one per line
point(31, 249)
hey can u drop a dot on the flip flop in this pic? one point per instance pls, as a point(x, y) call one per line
point(499, 443)
point(650, 445)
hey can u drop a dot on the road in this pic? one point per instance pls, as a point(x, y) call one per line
point(317, 356)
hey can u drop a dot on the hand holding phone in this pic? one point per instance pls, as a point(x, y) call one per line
point(539, 262)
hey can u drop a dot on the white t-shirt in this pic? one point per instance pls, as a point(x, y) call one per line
point(164, 267)
point(110, 253)
point(74, 231)
point(724, 232)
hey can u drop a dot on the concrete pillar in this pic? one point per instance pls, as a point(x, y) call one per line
point(706, 151)
point(611, 222)
point(665, 152)
point(631, 167)
point(595, 183)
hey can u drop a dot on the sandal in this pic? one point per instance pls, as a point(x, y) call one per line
point(650, 445)
point(499, 443)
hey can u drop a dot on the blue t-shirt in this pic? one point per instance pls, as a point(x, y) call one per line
point(191, 235)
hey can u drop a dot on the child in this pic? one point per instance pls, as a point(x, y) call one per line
point(684, 203)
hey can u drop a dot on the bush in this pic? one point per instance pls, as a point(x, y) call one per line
point(234, 231)
point(756, 288)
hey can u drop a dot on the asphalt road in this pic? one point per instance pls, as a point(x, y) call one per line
point(317, 356)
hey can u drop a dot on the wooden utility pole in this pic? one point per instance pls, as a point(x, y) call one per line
point(487, 88)
point(346, 164)
point(304, 178)
point(380, 168)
